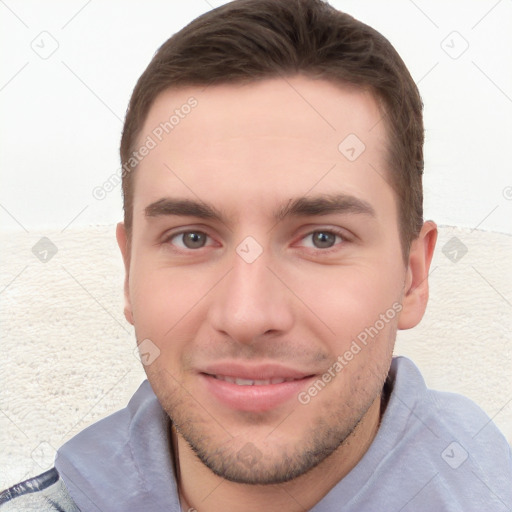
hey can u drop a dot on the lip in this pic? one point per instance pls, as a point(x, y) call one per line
point(254, 372)
point(255, 397)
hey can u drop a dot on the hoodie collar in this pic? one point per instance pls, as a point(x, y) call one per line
point(123, 462)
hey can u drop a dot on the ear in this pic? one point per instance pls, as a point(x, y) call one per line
point(416, 279)
point(124, 246)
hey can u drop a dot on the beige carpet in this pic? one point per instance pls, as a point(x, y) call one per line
point(68, 354)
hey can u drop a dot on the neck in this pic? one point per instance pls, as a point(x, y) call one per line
point(201, 489)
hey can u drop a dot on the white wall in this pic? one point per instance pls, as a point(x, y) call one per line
point(62, 116)
point(67, 351)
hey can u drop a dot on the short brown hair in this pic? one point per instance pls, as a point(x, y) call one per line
point(249, 40)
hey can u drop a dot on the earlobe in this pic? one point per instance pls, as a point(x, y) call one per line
point(415, 294)
point(124, 246)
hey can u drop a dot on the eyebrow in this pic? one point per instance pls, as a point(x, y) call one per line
point(182, 207)
point(299, 207)
point(325, 205)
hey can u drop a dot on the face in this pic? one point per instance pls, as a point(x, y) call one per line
point(265, 275)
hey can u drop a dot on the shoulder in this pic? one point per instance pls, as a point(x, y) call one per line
point(453, 441)
point(450, 412)
point(45, 493)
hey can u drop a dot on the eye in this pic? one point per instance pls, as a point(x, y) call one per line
point(322, 239)
point(190, 240)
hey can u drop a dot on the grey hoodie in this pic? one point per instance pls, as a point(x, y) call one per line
point(434, 451)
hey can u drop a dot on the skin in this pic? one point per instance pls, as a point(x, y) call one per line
point(248, 151)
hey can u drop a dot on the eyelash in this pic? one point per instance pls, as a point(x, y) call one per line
point(331, 231)
point(168, 239)
point(336, 247)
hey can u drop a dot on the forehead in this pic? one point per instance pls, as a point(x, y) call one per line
point(262, 140)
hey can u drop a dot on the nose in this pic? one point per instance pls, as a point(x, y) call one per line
point(251, 303)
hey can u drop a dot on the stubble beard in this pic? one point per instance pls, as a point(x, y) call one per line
point(239, 460)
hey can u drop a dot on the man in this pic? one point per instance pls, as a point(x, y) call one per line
point(274, 243)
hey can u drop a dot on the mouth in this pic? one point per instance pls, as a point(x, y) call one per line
point(253, 389)
point(250, 382)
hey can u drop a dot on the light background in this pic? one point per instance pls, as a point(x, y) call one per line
point(67, 351)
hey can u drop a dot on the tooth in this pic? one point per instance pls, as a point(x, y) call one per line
point(250, 382)
point(244, 382)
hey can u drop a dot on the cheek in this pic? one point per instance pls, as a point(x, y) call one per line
point(153, 306)
point(349, 300)
point(160, 316)
point(166, 303)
